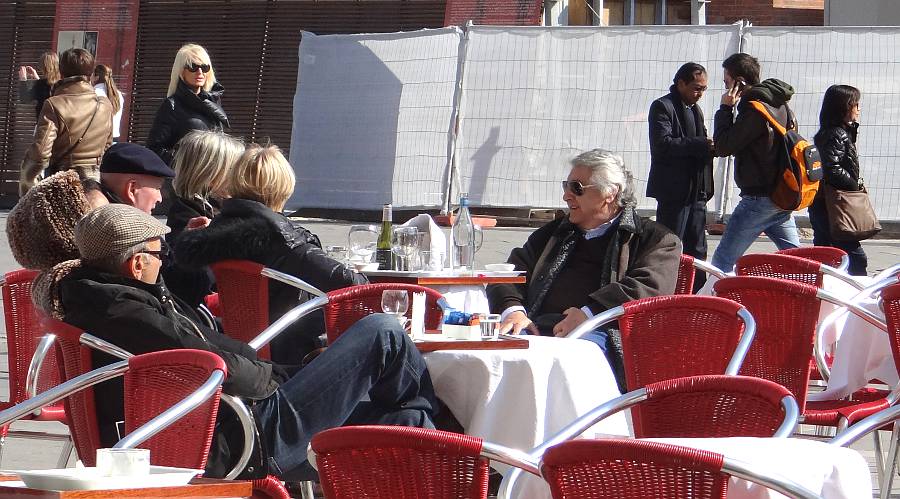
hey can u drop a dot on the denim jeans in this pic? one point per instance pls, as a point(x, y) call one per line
point(752, 215)
point(372, 374)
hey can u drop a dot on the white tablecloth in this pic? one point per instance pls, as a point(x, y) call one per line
point(833, 472)
point(470, 298)
point(521, 397)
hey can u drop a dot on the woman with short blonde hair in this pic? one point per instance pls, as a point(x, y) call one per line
point(252, 227)
point(264, 175)
point(193, 102)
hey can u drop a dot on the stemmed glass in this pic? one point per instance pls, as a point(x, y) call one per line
point(404, 243)
point(396, 302)
point(362, 240)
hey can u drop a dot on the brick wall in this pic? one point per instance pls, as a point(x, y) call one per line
point(767, 12)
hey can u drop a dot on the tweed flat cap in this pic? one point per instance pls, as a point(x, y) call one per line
point(110, 230)
point(126, 157)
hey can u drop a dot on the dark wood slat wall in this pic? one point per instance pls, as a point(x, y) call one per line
point(253, 45)
point(26, 31)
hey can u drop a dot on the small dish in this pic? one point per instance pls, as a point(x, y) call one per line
point(366, 266)
point(500, 267)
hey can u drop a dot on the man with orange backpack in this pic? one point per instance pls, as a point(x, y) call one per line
point(758, 152)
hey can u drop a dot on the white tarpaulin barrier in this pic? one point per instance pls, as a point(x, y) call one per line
point(372, 116)
point(812, 59)
point(535, 97)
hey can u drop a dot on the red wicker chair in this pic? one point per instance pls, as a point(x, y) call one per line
point(667, 337)
point(684, 285)
point(23, 333)
point(617, 468)
point(393, 462)
point(792, 268)
point(833, 257)
point(243, 299)
point(348, 305)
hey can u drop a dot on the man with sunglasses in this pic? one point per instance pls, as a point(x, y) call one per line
point(681, 153)
point(598, 257)
point(373, 375)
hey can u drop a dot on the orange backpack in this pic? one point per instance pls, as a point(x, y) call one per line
point(799, 165)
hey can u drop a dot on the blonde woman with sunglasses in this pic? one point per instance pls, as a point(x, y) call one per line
point(193, 102)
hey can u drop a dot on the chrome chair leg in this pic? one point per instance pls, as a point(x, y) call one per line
point(890, 464)
point(306, 490)
point(879, 456)
point(2, 441)
point(66, 453)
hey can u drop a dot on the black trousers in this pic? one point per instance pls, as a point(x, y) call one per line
point(688, 221)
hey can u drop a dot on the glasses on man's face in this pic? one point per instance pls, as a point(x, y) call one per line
point(193, 67)
point(575, 187)
point(162, 253)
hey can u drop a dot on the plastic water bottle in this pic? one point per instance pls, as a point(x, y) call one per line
point(462, 239)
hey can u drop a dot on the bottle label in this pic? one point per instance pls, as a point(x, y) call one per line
point(385, 259)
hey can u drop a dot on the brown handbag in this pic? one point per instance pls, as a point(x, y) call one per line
point(850, 214)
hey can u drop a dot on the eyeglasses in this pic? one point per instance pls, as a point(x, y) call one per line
point(193, 67)
point(162, 253)
point(575, 187)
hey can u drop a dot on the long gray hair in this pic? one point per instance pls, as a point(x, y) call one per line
point(609, 174)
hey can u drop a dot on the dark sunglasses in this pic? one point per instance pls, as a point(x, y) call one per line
point(575, 187)
point(192, 67)
point(162, 253)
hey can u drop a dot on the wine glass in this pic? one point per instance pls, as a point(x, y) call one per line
point(396, 302)
point(404, 243)
point(362, 240)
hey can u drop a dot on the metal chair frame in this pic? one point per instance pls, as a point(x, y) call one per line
point(871, 425)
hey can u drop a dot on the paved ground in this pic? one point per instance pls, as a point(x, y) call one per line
point(33, 454)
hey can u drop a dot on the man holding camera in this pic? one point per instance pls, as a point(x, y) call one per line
point(755, 147)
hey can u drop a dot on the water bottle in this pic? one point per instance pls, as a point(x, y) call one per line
point(462, 239)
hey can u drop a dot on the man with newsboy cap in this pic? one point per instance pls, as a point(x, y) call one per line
point(373, 374)
point(132, 174)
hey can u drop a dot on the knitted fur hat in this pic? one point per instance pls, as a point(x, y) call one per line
point(40, 228)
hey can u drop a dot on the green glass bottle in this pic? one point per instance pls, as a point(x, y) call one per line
point(383, 254)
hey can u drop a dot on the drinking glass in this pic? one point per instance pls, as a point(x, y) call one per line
point(362, 240)
point(404, 244)
point(396, 302)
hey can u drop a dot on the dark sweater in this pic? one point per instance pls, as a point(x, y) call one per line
point(579, 278)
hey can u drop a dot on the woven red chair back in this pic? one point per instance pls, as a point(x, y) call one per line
point(75, 360)
point(890, 300)
point(786, 314)
point(23, 333)
point(348, 305)
point(710, 407)
point(822, 254)
point(667, 337)
point(243, 300)
point(684, 285)
point(626, 468)
point(792, 268)
point(156, 381)
point(392, 462)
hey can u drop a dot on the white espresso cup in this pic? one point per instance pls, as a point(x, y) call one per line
point(123, 462)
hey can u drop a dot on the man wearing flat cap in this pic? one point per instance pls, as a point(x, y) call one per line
point(132, 174)
point(372, 375)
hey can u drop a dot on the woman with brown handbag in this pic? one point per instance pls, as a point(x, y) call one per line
point(836, 140)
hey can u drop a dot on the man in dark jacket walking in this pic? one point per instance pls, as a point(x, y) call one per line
point(116, 294)
point(681, 176)
point(752, 142)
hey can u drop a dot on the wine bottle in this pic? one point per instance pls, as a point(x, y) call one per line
point(383, 254)
point(462, 237)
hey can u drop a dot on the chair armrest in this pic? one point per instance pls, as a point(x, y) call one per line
point(104, 346)
point(62, 391)
point(37, 361)
point(596, 321)
point(769, 479)
point(174, 413)
point(248, 428)
point(840, 275)
point(575, 428)
point(743, 346)
point(866, 426)
point(208, 318)
point(708, 268)
point(292, 281)
point(292, 315)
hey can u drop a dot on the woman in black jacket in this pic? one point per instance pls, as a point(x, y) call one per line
point(33, 88)
point(202, 164)
point(252, 227)
point(836, 140)
point(193, 102)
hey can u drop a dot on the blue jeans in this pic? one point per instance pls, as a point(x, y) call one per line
point(374, 359)
point(754, 214)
